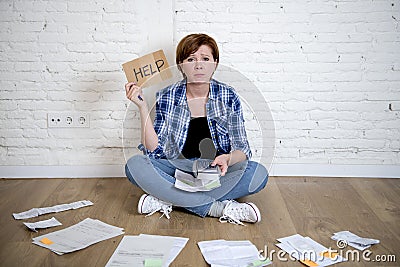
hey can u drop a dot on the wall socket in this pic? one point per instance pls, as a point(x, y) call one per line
point(68, 120)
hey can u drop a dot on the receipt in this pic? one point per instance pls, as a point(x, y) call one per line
point(57, 208)
point(43, 224)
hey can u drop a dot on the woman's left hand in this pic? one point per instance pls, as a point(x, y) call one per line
point(223, 162)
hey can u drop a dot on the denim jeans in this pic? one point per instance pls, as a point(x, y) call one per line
point(156, 177)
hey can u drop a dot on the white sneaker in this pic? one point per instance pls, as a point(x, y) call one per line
point(150, 205)
point(235, 213)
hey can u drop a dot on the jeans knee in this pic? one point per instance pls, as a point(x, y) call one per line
point(262, 171)
point(134, 164)
point(260, 178)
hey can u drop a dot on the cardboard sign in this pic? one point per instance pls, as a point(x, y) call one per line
point(148, 70)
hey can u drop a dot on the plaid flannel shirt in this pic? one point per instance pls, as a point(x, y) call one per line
point(224, 117)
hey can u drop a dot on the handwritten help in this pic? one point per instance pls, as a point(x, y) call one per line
point(148, 69)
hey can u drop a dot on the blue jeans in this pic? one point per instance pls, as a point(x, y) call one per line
point(156, 177)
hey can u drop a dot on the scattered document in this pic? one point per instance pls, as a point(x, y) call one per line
point(35, 212)
point(137, 251)
point(178, 244)
point(43, 224)
point(308, 252)
point(187, 182)
point(353, 240)
point(78, 236)
point(146, 251)
point(231, 253)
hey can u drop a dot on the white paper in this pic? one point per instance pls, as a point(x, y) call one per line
point(305, 248)
point(354, 240)
point(26, 214)
point(43, 224)
point(229, 253)
point(135, 250)
point(301, 244)
point(58, 208)
point(178, 244)
point(78, 236)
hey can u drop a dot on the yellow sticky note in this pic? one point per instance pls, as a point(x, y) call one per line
point(309, 263)
point(329, 254)
point(46, 241)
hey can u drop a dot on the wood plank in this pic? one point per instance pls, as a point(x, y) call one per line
point(330, 205)
point(311, 206)
point(383, 198)
point(18, 196)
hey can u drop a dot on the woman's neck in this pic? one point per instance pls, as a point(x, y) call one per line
point(197, 90)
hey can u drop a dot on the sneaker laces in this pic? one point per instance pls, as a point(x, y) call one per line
point(233, 215)
point(158, 205)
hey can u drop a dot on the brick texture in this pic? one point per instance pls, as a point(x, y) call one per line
point(328, 71)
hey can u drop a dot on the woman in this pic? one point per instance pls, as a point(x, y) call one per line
point(197, 117)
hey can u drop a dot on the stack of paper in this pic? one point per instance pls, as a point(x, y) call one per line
point(78, 236)
point(231, 253)
point(188, 182)
point(58, 208)
point(308, 251)
point(147, 250)
point(353, 240)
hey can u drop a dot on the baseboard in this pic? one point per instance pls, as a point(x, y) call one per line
point(330, 170)
point(87, 171)
point(106, 171)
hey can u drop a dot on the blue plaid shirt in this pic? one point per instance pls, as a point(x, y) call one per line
point(224, 117)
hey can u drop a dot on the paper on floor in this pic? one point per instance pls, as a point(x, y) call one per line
point(230, 253)
point(57, 208)
point(354, 240)
point(43, 224)
point(308, 251)
point(146, 250)
point(78, 236)
point(178, 244)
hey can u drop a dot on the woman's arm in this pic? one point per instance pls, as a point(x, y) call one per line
point(226, 160)
point(239, 146)
point(236, 156)
point(149, 137)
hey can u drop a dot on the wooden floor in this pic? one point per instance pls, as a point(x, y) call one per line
point(314, 207)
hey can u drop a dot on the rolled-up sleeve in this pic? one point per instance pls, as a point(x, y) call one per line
point(160, 129)
point(236, 128)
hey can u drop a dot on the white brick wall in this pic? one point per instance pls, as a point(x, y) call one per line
point(328, 69)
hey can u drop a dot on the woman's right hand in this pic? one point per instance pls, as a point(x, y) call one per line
point(134, 94)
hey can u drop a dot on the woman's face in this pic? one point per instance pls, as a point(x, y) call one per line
point(199, 66)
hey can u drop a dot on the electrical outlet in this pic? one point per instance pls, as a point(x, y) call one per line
point(68, 120)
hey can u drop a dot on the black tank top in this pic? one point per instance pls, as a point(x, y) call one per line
point(198, 142)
